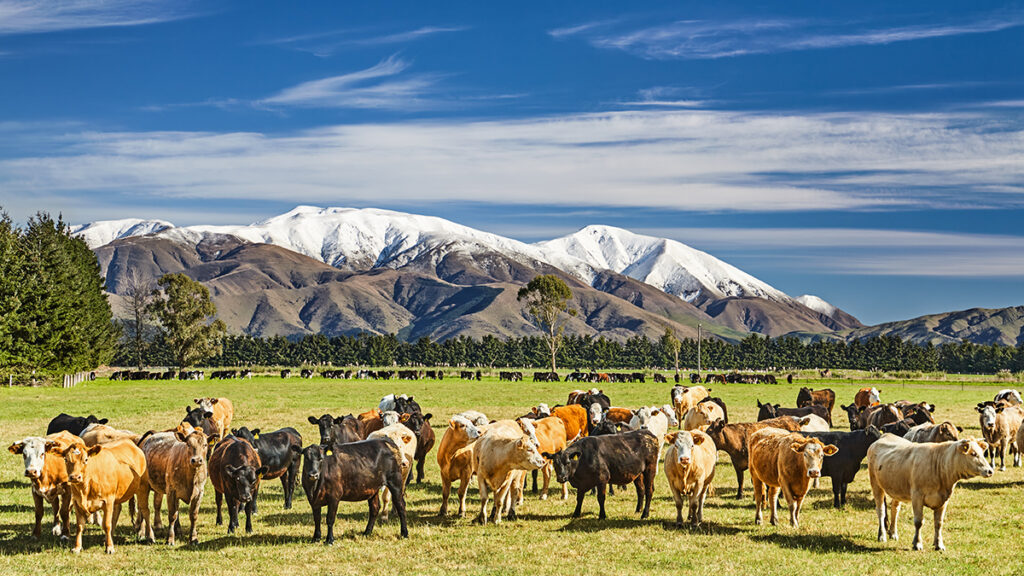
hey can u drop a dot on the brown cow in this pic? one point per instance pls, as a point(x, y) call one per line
point(574, 417)
point(49, 475)
point(235, 472)
point(406, 441)
point(551, 435)
point(461, 433)
point(175, 466)
point(879, 415)
point(867, 397)
point(702, 415)
point(733, 438)
point(999, 425)
point(371, 421)
point(784, 460)
point(223, 411)
point(617, 415)
point(825, 397)
point(102, 477)
point(505, 447)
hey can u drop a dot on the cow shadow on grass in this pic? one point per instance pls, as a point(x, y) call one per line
point(593, 524)
point(705, 529)
point(20, 508)
point(255, 539)
point(816, 543)
point(14, 484)
point(862, 502)
point(989, 485)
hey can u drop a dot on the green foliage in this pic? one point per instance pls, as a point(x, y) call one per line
point(54, 314)
point(547, 300)
point(186, 314)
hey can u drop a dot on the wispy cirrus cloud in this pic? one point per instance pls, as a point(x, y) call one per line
point(706, 39)
point(39, 16)
point(324, 44)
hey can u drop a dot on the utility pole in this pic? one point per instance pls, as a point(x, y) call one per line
point(698, 349)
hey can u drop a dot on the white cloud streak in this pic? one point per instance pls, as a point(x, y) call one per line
point(39, 16)
point(703, 39)
point(324, 44)
point(686, 160)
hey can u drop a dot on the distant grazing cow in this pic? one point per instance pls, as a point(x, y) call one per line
point(659, 378)
point(944, 432)
point(48, 473)
point(506, 447)
point(235, 472)
point(223, 411)
point(922, 474)
point(1009, 396)
point(690, 468)
point(766, 411)
point(461, 432)
point(867, 397)
point(286, 373)
point(277, 456)
point(999, 425)
point(175, 466)
point(102, 477)
point(350, 473)
point(686, 397)
point(786, 461)
point(733, 439)
point(73, 424)
point(825, 397)
point(842, 467)
point(596, 461)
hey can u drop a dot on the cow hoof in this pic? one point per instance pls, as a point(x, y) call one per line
point(76, 550)
point(193, 542)
point(543, 496)
point(109, 550)
point(56, 532)
point(329, 542)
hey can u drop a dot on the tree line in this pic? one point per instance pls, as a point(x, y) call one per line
point(884, 353)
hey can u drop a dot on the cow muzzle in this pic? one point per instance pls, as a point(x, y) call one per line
point(684, 461)
point(75, 478)
point(33, 473)
point(196, 461)
point(814, 473)
point(988, 472)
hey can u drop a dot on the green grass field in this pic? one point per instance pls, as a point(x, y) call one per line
point(983, 523)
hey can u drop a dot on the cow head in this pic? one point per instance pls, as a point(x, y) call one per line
point(813, 452)
point(244, 433)
point(197, 443)
point(76, 459)
point(872, 433)
point(853, 413)
point(605, 427)
point(206, 404)
point(530, 431)
point(677, 393)
point(413, 421)
point(947, 432)
point(874, 396)
point(595, 414)
point(461, 424)
point(684, 442)
point(195, 416)
point(542, 410)
point(388, 418)
point(766, 411)
point(245, 478)
point(33, 452)
point(670, 414)
point(988, 413)
point(90, 419)
point(973, 453)
point(565, 462)
point(324, 424)
point(899, 428)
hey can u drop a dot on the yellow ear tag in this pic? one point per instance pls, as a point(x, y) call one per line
point(328, 452)
point(255, 436)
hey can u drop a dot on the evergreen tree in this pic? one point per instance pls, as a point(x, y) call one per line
point(11, 285)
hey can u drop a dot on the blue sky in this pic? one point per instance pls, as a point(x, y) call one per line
point(871, 153)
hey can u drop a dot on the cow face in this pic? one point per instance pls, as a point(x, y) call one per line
point(605, 427)
point(195, 416)
point(874, 396)
point(813, 453)
point(595, 414)
point(853, 413)
point(988, 415)
point(564, 463)
point(33, 452)
point(197, 444)
point(388, 418)
point(677, 394)
point(683, 443)
point(946, 432)
point(412, 421)
point(670, 414)
point(206, 404)
point(324, 424)
point(898, 428)
point(90, 419)
point(542, 410)
point(530, 432)
point(641, 418)
point(973, 452)
point(313, 461)
point(245, 479)
point(872, 434)
point(76, 459)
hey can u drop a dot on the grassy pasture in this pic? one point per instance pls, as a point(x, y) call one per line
point(983, 528)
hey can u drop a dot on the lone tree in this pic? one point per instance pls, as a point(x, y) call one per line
point(547, 299)
point(138, 298)
point(671, 344)
point(186, 314)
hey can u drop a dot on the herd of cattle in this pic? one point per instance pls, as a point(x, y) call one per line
point(85, 464)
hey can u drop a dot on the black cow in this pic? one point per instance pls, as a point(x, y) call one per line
point(235, 472)
point(419, 423)
point(596, 461)
point(338, 430)
point(920, 413)
point(350, 473)
point(587, 399)
point(275, 450)
point(898, 428)
point(73, 424)
point(768, 411)
point(842, 466)
point(853, 413)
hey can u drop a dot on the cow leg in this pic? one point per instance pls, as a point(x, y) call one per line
point(284, 488)
point(600, 500)
point(108, 526)
point(398, 503)
point(700, 503)
point(547, 480)
point(940, 516)
point(1002, 455)
point(145, 518)
point(172, 516)
point(677, 497)
point(639, 485)
point(293, 475)
point(484, 495)
point(648, 492)
point(534, 490)
point(419, 469)
point(446, 492)
point(158, 502)
point(917, 504)
point(233, 507)
point(193, 519)
point(894, 515)
point(65, 516)
point(758, 499)
point(565, 490)
point(37, 531)
point(794, 512)
point(739, 481)
point(80, 518)
point(250, 510)
point(332, 517)
point(220, 499)
point(580, 495)
point(374, 510)
point(316, 522)
point(773, 498)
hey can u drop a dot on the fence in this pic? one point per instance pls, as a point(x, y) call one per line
point(71, 380)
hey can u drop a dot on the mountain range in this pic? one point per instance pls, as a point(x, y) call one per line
point(345, 270)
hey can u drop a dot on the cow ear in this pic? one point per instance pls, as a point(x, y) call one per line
point(427, 416)
point(830, 449)
point(671, 438)
point(965, 446)
point(213, 439)
point(983, 445)
point(804, 421)
point(179, 435)
point(698, 439)
point(261, 471)
point(103, 421)
point(931, 407)
point(575, 456)
point(314, 421)
point(451, 423)
point(94, 450)
point(17, 448)
point(214, 400)
point(758, 402)
point(999, 408)
point(959, 429)
point(188, 410)
point(255, 432)
point(195, 400)
point(406, 439)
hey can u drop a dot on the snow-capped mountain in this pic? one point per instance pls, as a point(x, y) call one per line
point(668, 265)
point(817, 304)
point(97, 234)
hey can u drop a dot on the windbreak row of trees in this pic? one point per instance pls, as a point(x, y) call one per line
point(887, 353)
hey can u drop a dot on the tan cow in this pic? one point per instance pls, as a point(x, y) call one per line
point(686, 397)
point(944, 432)
point(175, 466)
point(734, 439)
point(102, 477)
point(102, 434)
point(702, 415)
point(999, 425)
point(574, 417)
point(922, 474)
point(405, 439)
point(49, 476)
point(505, 447)
point(780, 459)
point(222, 412)
point(461, 433)
point(550, 433)
point(690, 468)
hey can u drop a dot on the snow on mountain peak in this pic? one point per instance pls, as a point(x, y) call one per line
point(817, 304)
point(97, 234)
